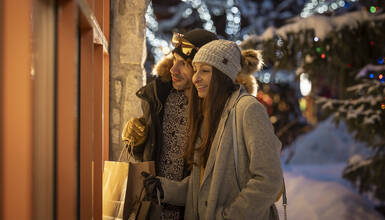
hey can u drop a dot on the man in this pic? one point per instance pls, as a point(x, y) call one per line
point(160, 134)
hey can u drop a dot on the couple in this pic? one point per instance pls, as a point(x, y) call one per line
point(216, 153)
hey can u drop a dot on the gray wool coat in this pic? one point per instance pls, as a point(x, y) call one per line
point(259, 169)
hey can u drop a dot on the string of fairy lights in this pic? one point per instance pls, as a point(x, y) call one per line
point(322, 6)
point(233, 17)
point(160, 46)
point(380, 61)
point(378, 75)
point(204, 13)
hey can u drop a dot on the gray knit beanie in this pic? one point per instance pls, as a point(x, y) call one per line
point(222, 54)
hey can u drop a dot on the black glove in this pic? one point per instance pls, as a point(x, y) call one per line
point(152, 184)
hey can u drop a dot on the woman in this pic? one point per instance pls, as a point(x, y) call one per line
point(222, 185)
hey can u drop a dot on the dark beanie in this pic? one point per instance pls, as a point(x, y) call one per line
point(198, 37)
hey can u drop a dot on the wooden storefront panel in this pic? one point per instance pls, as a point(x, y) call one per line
point(67, 113)
point(16, 111)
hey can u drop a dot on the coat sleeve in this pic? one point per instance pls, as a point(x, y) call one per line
point(263, 148)
point(146, 118)
point(175, 192)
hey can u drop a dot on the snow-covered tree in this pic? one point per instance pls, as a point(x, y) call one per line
point(332, 50)
point(364, 115)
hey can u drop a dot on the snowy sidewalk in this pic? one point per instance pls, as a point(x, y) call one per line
point(314, 183)
point(317, 193)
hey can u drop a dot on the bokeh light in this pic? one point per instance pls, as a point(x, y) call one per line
point(304, 84)
point(322, 6)
point(373, 9)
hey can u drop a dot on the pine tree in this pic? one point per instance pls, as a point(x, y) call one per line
point(332, 53)
point(364, 114)
point(330, 57)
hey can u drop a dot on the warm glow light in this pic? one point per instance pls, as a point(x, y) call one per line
point(302, 104)
point(304, 84)
point(273, 119)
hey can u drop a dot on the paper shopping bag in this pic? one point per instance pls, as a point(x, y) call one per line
point(134, 190)
point(149, 211)
point(114, 187)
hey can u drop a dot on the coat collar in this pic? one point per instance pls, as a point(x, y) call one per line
point(218, 136)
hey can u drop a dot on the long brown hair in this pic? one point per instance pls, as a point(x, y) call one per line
point(206, 113)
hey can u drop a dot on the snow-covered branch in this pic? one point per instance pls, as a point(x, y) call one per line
point(370, 67)
point(322, 25)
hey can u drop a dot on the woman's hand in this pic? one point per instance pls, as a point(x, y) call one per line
point(152, 185)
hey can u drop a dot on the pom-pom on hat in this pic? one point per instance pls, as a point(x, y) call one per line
point(224, 55)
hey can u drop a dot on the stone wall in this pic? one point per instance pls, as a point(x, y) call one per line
point(128, 53)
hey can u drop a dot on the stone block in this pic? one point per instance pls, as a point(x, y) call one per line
point(131, 6)
point(138, 5)
point(118, 90)
point(134, 81)
point(115, 116)
point(115, 135)
point(132, 48)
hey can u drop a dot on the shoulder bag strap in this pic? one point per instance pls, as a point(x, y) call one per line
point(235, 138)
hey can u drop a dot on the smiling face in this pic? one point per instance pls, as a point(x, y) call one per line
point(201, 78)
point(181, 73)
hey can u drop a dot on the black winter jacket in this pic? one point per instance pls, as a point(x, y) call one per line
point(153, 97)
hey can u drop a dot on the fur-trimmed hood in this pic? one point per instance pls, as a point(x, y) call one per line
point(251, 62)
point(162, 68)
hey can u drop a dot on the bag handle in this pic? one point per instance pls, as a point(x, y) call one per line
point(128, 145)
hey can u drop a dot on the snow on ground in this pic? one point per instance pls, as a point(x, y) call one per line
point(326, 144)
point(315, 188)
